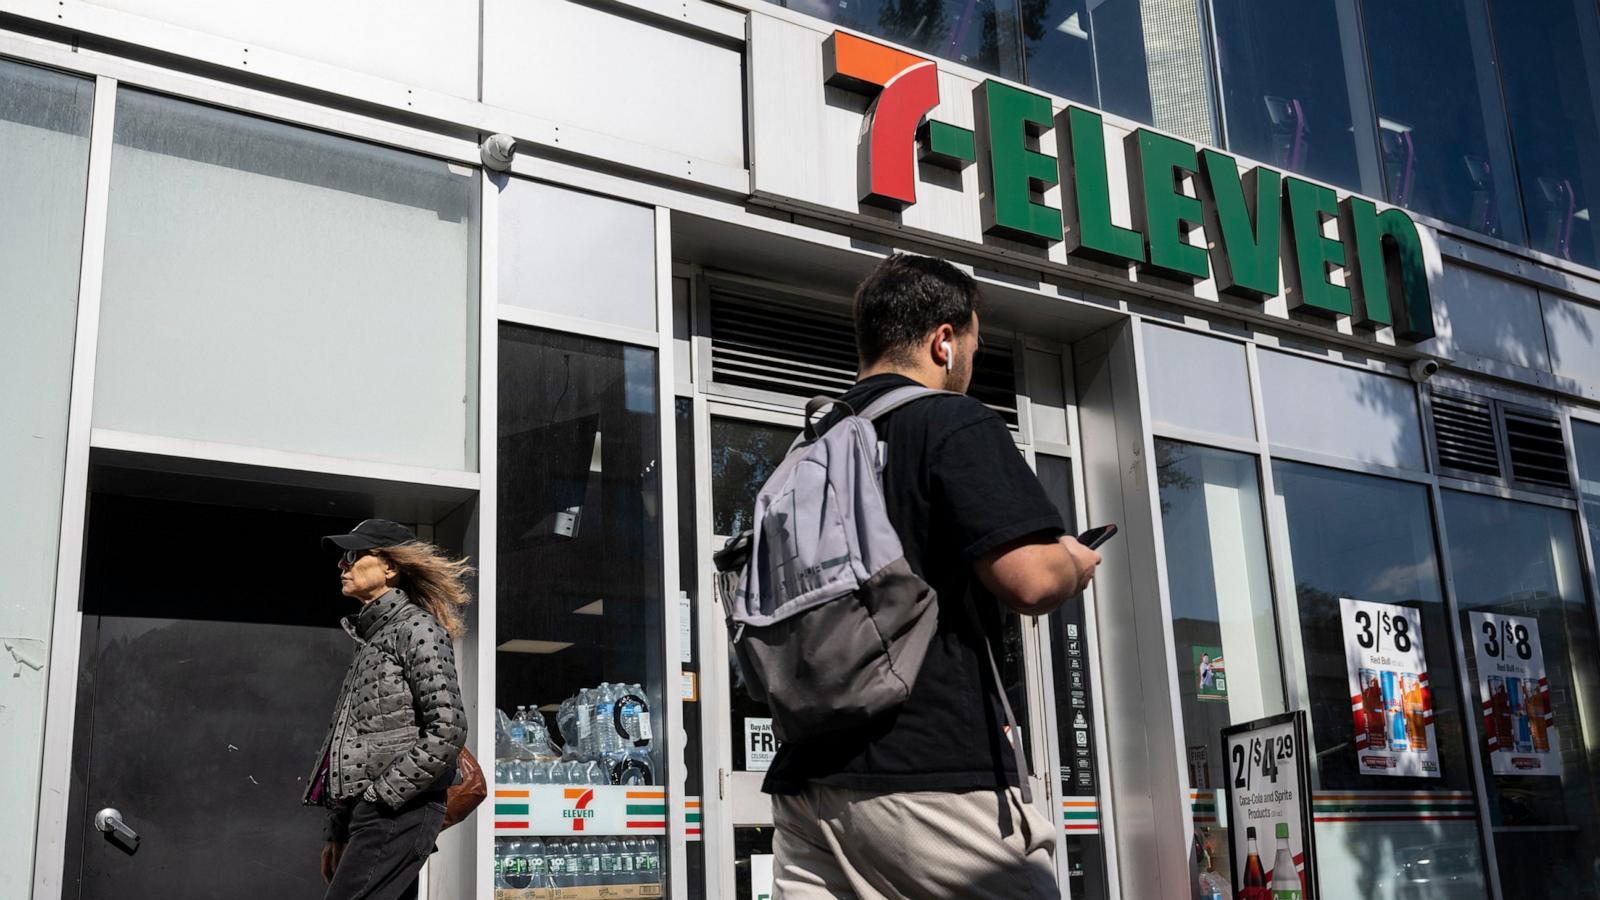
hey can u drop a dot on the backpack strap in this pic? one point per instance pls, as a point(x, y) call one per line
point(813, 406)
point(897, 398)
point(1012, 728)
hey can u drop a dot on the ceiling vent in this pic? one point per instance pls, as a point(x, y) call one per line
point(800, 350)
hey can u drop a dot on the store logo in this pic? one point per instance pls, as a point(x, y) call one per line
point(1248, 222)
point(580, 811)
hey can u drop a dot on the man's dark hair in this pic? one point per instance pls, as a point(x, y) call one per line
point(905, 298)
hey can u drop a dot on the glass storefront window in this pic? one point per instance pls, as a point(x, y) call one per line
point(252, 266)
point(976, 33)
point(579, 665)
point(1126, 57)
point(1586, 443)
point(1549, 53)
point(44, 140)
point(1294, 91)
point(1379, 837)
point(1518, 563)
point(1222, 619)
point(1075, 714)
point(1441, 122)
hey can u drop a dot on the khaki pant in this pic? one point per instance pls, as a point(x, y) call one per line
point(837, 843)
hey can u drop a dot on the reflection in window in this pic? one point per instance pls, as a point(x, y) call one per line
point(1441, 123)
point(1075, 715)
point(743, 456)
point(1518, 559)
point(688, 604)
point(976, 33)
point(579, 589)
point(1110, 55)
point(1372, 539)
point(1222, 620)
point(1549, 65)
point(1293, 93)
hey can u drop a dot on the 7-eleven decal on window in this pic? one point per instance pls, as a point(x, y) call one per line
point(555, 809)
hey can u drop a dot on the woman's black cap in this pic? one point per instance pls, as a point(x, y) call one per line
point(369, 534)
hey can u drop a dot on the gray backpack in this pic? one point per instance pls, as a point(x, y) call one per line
point(829, 624)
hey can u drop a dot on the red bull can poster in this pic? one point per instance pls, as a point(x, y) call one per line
point(1390, 702)
point(1519, 724)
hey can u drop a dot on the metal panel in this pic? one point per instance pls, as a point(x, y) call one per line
point(1154, 820)
point(1573, 330)
point(1341, 411)
point(1491, 316)
point(420, 43)
point(627, 79)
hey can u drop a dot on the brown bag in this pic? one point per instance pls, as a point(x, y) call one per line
point(469, 790)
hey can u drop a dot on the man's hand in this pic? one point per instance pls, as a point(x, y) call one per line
point(1083, 558)
point(331, 852)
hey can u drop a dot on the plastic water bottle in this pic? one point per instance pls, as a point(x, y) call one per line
point(594, 772)
point(515, 868)
point(502, 856)
point(628, 861)
point(555, 863)
point(585, 723)
point(611, 868)
point(605, 727)
point(519, 727)
point(538, 863)
point(650, 861)
point(538, 734)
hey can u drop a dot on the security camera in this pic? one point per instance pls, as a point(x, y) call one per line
point(1423, 369)
point(497, 151)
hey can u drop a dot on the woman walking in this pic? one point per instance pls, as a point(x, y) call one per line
point(398, 725)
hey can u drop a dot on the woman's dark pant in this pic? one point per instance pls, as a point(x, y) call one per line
point(386, 849)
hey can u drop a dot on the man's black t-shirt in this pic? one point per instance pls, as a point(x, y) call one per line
point(956, 488)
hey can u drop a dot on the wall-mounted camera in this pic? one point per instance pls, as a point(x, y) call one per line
point(497, 150)
point(1423, 369)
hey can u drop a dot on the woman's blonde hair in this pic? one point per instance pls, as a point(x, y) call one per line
point(433, 580)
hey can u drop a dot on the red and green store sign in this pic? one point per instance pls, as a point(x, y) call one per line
point(1255, 223)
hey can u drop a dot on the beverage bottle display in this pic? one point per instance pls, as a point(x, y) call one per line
point(1373, 711)
point(1394, 710)
point(630, 861)
point(1536, 716)
point(611, 862)
point(1416, 714)
point(1500, 704)
point(585, 709)
point(1285, 877)
point(1255, 877)
point(502, 856)
point(648, 870)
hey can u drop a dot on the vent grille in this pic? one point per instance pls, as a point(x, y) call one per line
point(1463, 431)
point(779, 346)
point(1537, 453)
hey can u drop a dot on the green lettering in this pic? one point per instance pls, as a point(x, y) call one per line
point(1308, 206)
point(1388, 265)
point(1156, 164)
point(1243, 226)
point(1008, 118)
point(946, 145)
point(1090, 231)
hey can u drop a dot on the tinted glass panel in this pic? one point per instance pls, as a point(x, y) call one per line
point(1519, 563)
point(580, 642)
point(1222, 620)
point(1294, 89)
point(1441, 123)
point(1550, 61)
point(977, 33)
point(1089, 52)
point(1378, 835)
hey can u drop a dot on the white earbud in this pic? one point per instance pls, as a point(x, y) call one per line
point(949, 356)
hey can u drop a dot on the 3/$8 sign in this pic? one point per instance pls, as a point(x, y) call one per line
point(1251, 221)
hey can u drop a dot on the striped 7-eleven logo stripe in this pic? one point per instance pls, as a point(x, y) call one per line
point(903, 88)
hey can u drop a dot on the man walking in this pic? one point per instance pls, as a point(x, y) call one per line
point(924, 803)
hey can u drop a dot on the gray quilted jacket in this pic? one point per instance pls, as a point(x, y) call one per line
point(399, 721)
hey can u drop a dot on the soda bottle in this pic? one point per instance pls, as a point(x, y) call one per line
point(1285, 877)
point(1255, 878)
point(1212, 885)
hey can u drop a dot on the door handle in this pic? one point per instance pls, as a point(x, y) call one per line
point(109, 822)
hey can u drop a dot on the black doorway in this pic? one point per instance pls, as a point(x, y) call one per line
point(211, 658)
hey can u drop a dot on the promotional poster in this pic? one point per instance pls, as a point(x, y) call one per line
point(1268, 777)
point(1518, 719)
point(1390, 699)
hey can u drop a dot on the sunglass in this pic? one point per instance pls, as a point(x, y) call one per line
point(351, 557)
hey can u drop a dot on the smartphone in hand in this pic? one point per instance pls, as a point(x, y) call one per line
point(1094, 537)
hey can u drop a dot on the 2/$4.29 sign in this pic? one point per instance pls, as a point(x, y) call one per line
point(1249, 220)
